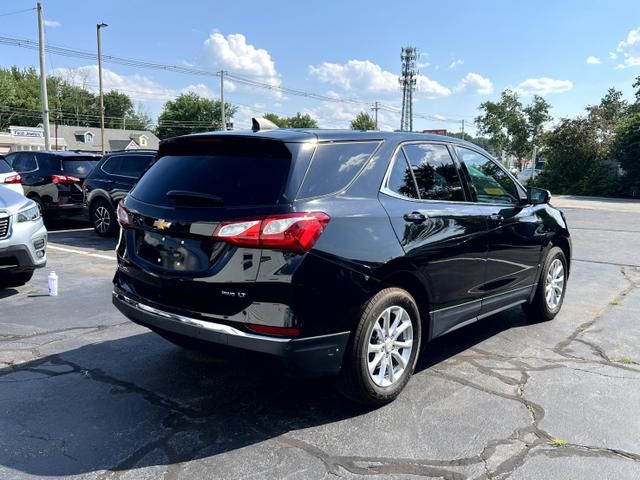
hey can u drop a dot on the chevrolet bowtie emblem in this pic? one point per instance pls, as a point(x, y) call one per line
point(161, 224)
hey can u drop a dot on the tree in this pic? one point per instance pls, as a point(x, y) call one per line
point(191, 113)
point(577, 160)
point(363, 121)
point(626, 148)
point(510, 126)
point(611, 110)
point(117, 107)
point(302, 121)
point(281, 122)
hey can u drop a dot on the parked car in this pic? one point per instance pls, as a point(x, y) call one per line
point(23, 239)
point(109, 182)
point(9, 178)
point(53, 179)
point(340, 251)
point(527, 174)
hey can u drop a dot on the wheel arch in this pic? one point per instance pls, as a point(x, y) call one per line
point(412, 283)
point(96, 195)
point(562, 240)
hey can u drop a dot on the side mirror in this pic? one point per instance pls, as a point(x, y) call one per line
point(536, 195)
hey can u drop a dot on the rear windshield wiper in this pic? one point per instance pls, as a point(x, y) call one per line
point(195, 198)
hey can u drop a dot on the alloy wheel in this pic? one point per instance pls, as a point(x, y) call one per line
point(390, 346)
point(102, 219)
point(554, 284)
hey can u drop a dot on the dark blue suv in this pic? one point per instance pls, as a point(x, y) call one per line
point(341, 252)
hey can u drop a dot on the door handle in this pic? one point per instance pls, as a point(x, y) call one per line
point(414, 217)
point(496, 218)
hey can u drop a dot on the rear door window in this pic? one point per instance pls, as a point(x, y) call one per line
point(24, 162)
point(239, 172)
point(333, 167)
point(401, 179)
point(133, 165)
point(435, 172)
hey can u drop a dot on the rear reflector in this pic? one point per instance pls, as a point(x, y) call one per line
point(280, 331)
point(13, 179)
point(290, 231)
point(64, 179)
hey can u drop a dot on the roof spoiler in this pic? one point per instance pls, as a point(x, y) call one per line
point(258, 124)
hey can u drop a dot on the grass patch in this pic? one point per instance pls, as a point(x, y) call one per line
point(558, 442)
point(614, 302)
point(627, 360)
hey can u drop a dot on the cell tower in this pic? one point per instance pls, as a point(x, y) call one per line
point(407, 80)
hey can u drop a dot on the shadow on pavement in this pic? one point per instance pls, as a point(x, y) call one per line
point(139, 401)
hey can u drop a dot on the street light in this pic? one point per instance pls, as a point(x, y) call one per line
point(98, 27)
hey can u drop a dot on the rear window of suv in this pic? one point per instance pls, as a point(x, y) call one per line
point(79, 166)
point(333, 167)
point(241, 172)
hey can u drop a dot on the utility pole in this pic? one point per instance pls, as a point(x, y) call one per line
point(98, 27)
point(463, 128)
point(375, 109)
point(222, 115)
point(43, 81)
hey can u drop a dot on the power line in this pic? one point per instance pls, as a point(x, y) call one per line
point(17, 11)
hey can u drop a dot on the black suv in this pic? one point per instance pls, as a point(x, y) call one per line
point(339, 251)
point(53, 179)
point(109, 182)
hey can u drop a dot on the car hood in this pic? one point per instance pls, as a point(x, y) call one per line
point(12, 201)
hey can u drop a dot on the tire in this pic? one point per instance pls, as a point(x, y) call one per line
point(540, 309)
point(103, 218)
point(16, 279)
point(379, 388)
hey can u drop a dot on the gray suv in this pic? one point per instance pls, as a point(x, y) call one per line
point(23, 239)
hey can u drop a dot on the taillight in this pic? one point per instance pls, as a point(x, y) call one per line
point(13, 179)
point(64, 179)
point(124, 216)
point(290, 231)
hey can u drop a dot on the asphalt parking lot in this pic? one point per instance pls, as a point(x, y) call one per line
point(84, 393)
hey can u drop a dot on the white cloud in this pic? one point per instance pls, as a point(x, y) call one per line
point(543, 86)
point(593, 60)
point(437, 116)
point(475, 82)
point(423, 65)
point(630, 49)
point(366, 76)
point(456, 63)
point(234, 53)
point(52, 23)
point(138, 87)
point(612, 55)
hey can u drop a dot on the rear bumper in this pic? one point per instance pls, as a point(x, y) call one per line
point(321, 355)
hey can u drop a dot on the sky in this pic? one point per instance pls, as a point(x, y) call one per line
point(570, 52)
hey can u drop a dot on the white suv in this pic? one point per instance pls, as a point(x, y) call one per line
point(8, 178)
point(23, 239)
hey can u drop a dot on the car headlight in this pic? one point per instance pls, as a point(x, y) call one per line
point(29, 214)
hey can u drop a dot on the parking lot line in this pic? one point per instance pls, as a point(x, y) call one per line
point(71, 230)
point(72, 250)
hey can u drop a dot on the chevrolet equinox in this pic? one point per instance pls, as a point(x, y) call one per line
point(341, 252)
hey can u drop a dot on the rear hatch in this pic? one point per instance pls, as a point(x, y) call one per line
point(74, 171)
point(197, 185)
